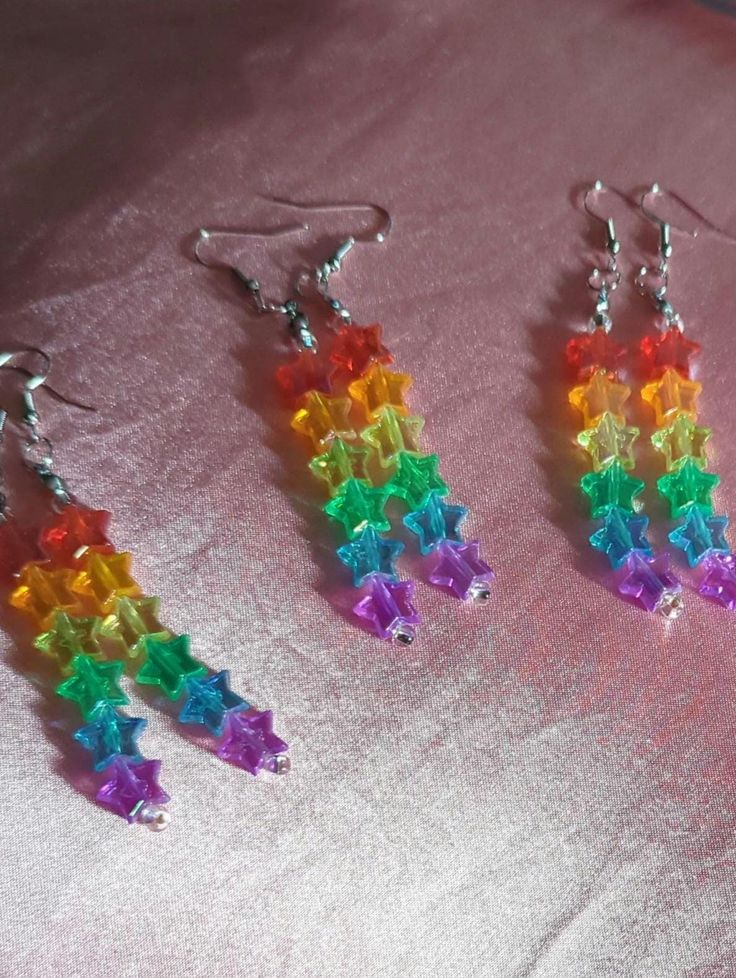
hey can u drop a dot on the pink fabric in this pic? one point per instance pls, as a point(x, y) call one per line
point(541, 787)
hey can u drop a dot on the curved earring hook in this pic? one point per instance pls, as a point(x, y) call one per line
point(206, 234)
point(366, 237)
point(656, 191)
point(613, 245)
point(36, 380)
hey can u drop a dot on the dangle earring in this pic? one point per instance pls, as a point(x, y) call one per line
point(612, 491)
point(93, 619)
point(672, 394)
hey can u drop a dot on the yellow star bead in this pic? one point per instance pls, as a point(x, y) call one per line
point(392, 433)
point(379, 388)
point(323, 418)
point(41, 593)
point(609, 441)
point(132, 620)
point(600, 395)
point(104, 578)
point(682, 439)
point(672, 394)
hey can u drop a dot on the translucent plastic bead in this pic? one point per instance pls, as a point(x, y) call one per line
point(379, 388)
point(681, 440)
point(687, 485)
point(132, 620)
point(209, 701)
point(369, 553)
point(42, 592)
point(69, 637)
point(620, 534)
point(339, 463)
point(671, 395)
point(669, 350)
point(648, 581)
point(324, 418)
point(415, 477)
point(110, 734)
point(393, 433)
point(434, 522)
point(357, 506)
point(356, 347)
point(305, 372)
point(611, 487)
point(103, 578)
point(131, 787)
point(700, 535)
point(719, 579)
point(598, 396)
point(609, 441)
point(73, 532)
point(594, 351)
point(388, 610)
point(168, 664)
point(249, 741)
point(460, 568)
point(92, 683)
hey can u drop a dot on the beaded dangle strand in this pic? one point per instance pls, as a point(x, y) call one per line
point(672, 394)
point(612, 491)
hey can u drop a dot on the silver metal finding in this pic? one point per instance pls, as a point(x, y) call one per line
point(4, 508)
point(604, 282)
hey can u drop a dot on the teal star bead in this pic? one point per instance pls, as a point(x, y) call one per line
point(91, 683)
point(700, 534)
point(688, 485)
point(370, 553)
point(168, 664)
point(620, 534)
point(612, 487)
point(110, 734)
point(357, 506)
point(415, 477)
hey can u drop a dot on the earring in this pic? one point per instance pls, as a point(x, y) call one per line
point(600, 397)
point(93, 619)
point(672, 394)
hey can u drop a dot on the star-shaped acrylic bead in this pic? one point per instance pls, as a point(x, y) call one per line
point(700, 535)
point(649, 582)
point(356, 347)
point(168, 664)
point(620, 534)
point(669, 350)
point(249, 741)
point(131, 787)
point(104, 578)
point(305, 372)
point(357, 506)
point(598, 396)
point(91, 683)
point(594, 351)
point(415, 477)
point(609, 441)
point(719, 579)
point(388, 609)
point(670, 395)
point(460, 568)
point(42, 592)
point(210, 701)
point(109, 734)
point(369, 553)
point(69, 637)
point(393, 433)
point(682, 439)
point(339, 463)
point(434, 522)
point(611, 487)
point(131, 621)
point(323, 418)
point(380, 387)
point(73, 532)
point(687, 485)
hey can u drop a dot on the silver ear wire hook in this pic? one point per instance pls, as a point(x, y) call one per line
point(604, 282)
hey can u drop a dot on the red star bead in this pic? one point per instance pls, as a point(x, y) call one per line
point(593, 351)
point(668, 351)
point(305, 372)
point(15, 550)
point(356, 347)
point(74, 531)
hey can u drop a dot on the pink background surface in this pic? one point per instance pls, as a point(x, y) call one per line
point(543, 787)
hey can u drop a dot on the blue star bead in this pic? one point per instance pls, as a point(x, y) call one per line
point(620, 534)
point(209, 702)
point(434, 522)
point(700, 535)
point(370, 553)
point(110, 734)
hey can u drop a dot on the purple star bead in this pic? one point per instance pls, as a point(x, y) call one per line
point(649, 581)
point(131, 787)
point(249, 742)
point(388, 609)
point(719, 579)
point(460, 568)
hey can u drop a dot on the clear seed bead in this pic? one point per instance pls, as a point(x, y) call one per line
point(671, 605)
point(404, 633)
point(479, 592)
point(154, 817)
point(280, 764)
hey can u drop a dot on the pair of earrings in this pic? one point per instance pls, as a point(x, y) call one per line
point(365, 444)
point(93, 622)
point(669, 389)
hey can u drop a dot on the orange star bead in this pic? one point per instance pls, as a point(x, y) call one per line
point(671, 395)
point(324, 418)
point(43, 591)
point(598, 396)
point(104, 578)
point(380, 388)
point(356, 347)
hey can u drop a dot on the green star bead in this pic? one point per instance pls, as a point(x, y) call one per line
point(415, 477)
point(688, 485)
point(168, 664)
point(69, 637)
point(340, 463)
point(612, 487)
point(358, 506)
point(91, 683)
